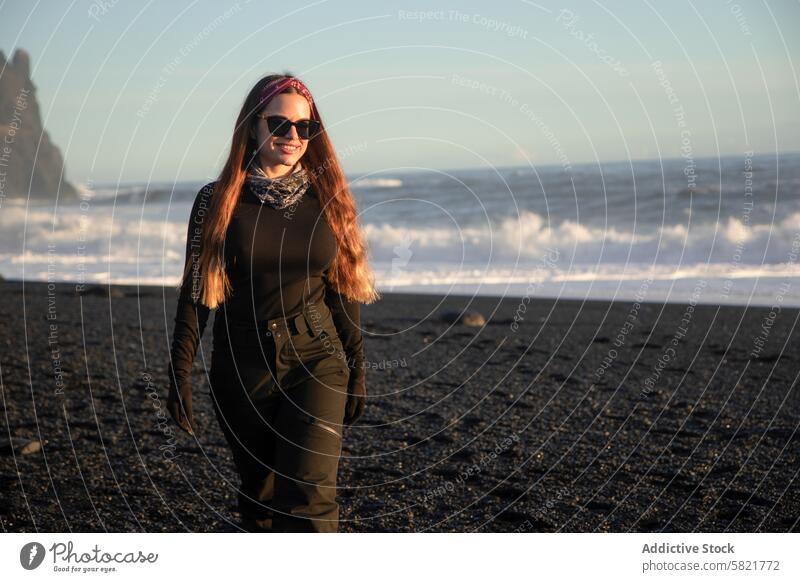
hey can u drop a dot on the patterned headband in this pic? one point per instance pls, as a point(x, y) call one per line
point(274, 87)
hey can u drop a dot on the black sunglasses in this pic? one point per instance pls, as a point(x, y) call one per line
point(279, 126)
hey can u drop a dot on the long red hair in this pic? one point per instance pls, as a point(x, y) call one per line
point(349, 274)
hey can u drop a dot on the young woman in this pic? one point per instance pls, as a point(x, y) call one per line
point(274, 246)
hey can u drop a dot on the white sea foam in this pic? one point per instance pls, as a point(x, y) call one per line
point(427, 232)
point(376, 183)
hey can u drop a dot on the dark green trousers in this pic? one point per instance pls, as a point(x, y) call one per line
point(279, 389)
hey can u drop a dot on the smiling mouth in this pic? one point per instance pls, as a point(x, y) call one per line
point(288, 148)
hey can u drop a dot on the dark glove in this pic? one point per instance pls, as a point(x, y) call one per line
point(179, 403)
point(356, 396)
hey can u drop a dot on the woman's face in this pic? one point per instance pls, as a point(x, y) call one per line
point(276, 151)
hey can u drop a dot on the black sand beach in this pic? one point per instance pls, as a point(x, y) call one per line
point(590, 416)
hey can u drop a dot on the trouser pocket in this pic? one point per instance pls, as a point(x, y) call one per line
point(317, 350)
point(307, 462)
point(321, 325)
point(322, 425)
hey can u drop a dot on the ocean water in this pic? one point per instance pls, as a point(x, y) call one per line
point(722, 231)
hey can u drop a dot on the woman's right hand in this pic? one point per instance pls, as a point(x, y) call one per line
point(179, 405)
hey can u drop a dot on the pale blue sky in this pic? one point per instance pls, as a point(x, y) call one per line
point(390, 86)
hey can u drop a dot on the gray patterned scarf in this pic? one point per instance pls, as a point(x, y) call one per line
point(280, 192)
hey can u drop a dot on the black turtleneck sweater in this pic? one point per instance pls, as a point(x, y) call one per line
point(274, 258)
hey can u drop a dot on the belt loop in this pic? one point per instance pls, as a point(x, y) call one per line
point(308, 321)
point(300, 323)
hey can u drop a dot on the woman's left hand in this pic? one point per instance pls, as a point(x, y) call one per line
point(356, 397)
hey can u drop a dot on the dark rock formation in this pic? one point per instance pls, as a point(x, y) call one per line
point(30, 164)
